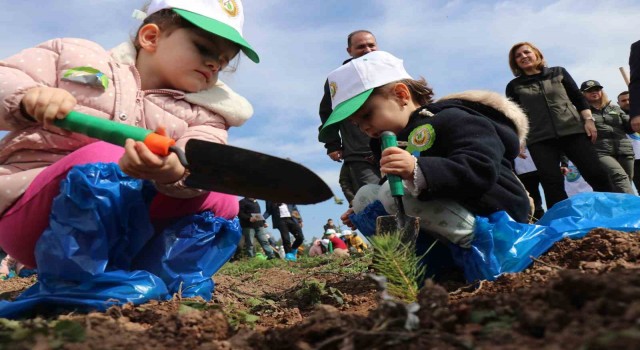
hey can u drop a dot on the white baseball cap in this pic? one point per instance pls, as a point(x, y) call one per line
point(352, 83)
point(220, 17)
point(330, 231)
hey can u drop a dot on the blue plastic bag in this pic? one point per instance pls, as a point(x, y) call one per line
point(99, 222)
point(502, 245)
point(101, 249)
point(98, 293)
point(187, 254)
point(578, 215)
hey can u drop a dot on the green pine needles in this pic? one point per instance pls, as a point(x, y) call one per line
point(397, 261)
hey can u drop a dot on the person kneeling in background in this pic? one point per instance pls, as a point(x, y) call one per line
point(338, 246)
point(354, 242)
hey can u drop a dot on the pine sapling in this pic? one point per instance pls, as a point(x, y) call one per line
point(397, 261)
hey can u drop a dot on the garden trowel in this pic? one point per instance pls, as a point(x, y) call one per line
point(213, 166)
point(407, 226)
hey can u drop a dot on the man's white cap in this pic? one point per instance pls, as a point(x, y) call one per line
point(330, 231)
point(352, 83)
point(220, 17)
point(346, 232)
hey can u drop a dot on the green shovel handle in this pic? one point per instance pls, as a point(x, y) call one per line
point(395, 182)
point(113, 132)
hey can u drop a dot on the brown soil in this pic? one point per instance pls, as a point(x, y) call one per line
point(582, 294)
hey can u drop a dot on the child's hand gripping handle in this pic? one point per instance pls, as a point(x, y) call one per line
point(115, 133)
point(395, 182)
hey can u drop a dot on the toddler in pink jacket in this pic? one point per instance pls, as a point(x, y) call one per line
point(165, 80)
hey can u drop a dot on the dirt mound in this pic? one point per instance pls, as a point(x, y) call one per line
point(601, 250)
point(581, 294)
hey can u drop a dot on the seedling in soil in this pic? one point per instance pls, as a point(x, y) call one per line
point(238, 317)
point(397, 261)
point(312, 291)
point(187, 306)
point(260, 306)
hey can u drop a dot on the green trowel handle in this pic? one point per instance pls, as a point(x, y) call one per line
point(113, 132)
point(395, 182)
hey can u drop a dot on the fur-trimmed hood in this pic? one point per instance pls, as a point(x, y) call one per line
point(479, 100)
point(220, 99)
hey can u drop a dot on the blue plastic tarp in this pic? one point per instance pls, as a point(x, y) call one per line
point(578, 215)
point(501, 245)
point(101, 249)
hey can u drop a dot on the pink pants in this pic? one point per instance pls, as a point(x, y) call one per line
point(26, 220)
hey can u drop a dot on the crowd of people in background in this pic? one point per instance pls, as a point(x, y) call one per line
point(284, 217)
point(333, 242)
point(338, 243)
point(557, 155)
point(559, 119)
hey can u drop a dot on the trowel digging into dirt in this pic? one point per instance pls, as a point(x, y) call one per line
point(409, 226)
point(213, 166)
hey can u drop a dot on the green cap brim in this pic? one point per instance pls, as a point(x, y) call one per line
point(218, 28)
point(343, 111)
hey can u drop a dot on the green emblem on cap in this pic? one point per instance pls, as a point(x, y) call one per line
point(333, 88)
point(421, 139)
point(230, 7)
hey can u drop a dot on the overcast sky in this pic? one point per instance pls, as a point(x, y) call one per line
point(456, 45)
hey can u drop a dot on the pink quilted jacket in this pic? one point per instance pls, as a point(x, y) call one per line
point(28, 148)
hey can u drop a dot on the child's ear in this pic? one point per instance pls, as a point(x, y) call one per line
point(148, 36)
point(401, 91)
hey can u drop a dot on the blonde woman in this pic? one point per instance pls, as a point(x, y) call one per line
point(613, 146)
point(560, 121)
